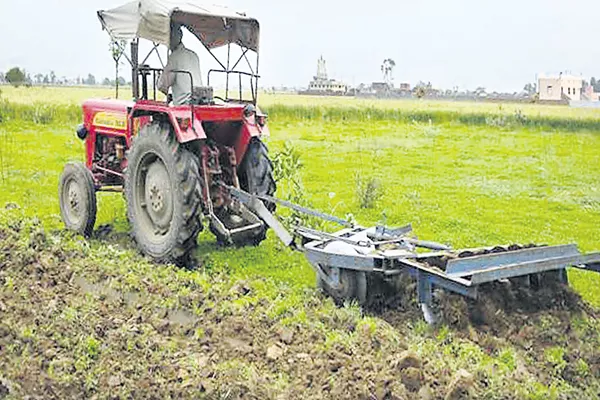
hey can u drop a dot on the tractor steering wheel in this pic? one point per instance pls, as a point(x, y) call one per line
point(220, 98)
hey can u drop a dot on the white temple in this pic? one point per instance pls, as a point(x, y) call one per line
point(321, 84)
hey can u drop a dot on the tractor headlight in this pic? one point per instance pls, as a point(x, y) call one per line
point(249, 110)
point(82, 132)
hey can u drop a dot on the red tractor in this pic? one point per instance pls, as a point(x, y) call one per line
point(174, 163)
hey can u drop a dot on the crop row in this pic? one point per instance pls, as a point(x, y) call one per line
point(46, 113)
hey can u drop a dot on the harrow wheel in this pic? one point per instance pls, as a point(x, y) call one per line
point(77, 197)
point(343, 284)
point(162, 188)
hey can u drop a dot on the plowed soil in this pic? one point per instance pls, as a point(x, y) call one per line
point(72, 325)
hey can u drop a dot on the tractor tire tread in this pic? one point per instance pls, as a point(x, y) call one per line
point(85, 175)
point(188, 180)
point(256, 173)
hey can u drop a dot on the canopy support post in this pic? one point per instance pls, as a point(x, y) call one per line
point(135, 83)
point(227, 75)
point(255, 94)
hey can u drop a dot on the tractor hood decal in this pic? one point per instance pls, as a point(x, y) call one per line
point(110, 120)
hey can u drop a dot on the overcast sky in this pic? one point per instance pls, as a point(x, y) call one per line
point(500, 45)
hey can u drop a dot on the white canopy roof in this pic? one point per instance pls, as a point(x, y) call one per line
point(214, 25)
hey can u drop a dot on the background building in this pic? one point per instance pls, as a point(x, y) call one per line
point(560, 87)
point(322, 85)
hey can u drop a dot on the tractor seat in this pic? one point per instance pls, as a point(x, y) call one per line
point(202, 95)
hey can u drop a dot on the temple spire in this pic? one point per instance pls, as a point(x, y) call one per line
point(321, 69)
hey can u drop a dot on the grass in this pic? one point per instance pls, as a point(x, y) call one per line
point(467, 174)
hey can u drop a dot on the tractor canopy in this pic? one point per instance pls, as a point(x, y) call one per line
point(213, 25)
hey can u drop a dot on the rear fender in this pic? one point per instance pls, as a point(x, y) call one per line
point(179, 117)
point(249, 130)
point(194, 131)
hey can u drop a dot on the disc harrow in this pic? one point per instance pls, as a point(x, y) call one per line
point(343, 259)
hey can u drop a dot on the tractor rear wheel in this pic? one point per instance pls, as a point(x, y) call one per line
point(256, 177)
point(162, 188)
point(77, 197)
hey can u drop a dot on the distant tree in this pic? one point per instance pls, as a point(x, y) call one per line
point(15, 76)
point(2, 79)
point(46, 80)
point(584, 85)
point(39, 79)
point(479, 91)
point(91, 80)
point(106, 82)
point(116, 50)
point(78, 80)
point(530, 88)
point(52, 77)
point(387, 67)
point(122, 81)
point(595, 83)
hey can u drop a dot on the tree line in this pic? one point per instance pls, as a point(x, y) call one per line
point(20, 77)
point(595, 83)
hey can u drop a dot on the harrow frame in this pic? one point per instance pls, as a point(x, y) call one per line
point(390, 252)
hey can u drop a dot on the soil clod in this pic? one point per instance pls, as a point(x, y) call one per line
point(408, 359)
point(114, 381)
point(425, 393)
point(286, 335)
point(461, 387)
point(4, 390)
point(274, 352)
point(239, 345)
point(412, 378)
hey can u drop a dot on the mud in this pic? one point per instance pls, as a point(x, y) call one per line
point(131, 299)
point(529, 318)
point(67, 330)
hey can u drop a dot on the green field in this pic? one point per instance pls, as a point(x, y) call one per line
point(466, 174)
point(75, 96)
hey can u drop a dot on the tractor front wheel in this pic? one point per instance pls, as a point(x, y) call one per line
point(162, 188)
point(77, 197)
